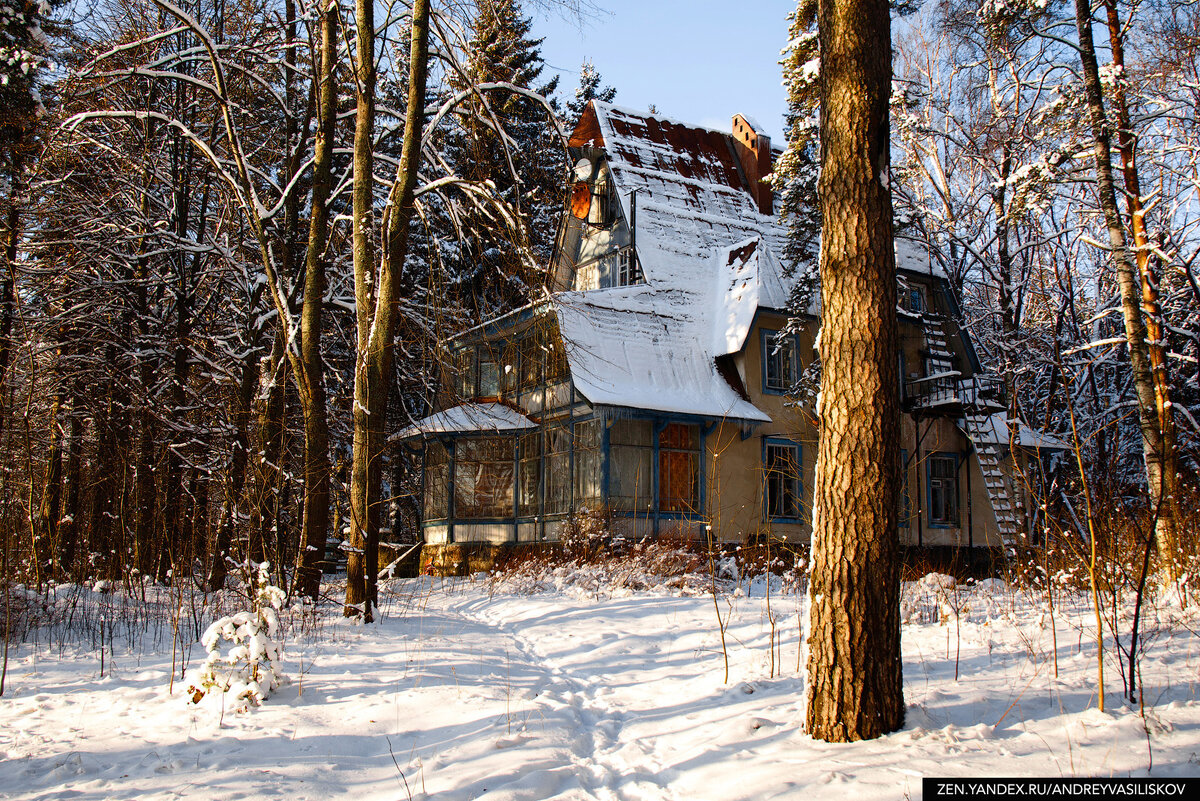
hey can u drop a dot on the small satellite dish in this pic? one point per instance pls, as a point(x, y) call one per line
point(584, 169)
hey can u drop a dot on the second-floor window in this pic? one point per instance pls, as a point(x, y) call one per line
point(489, 376)
point(942, 472)
point(779, 361)
point(603, 210)
point(909, 299)
point(500, 368)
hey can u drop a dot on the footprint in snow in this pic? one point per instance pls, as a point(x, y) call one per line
point(753, 725)
point(511, 741)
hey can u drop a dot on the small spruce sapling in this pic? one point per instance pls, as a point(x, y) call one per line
point(250, 670)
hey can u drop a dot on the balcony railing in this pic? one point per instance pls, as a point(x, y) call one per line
point(951, 389)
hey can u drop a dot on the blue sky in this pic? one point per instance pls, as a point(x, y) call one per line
point(699, 62)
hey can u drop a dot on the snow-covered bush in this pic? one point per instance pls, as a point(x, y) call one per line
point(250, 670)
point(585, 534)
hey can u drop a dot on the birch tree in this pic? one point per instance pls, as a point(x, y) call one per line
point(1150, 380)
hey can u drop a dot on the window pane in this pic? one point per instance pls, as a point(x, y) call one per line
point(508, 367)
point(437, 480)
point(677, 481)
point(587, 464)
point(943, 490)
point(483, 478)
point(779, 358)
point(783, 480)
point(557, 476)
point(630, 432)
point(630, 475)
point(531, 475)
point(532, 360)
point(464, 364)
point(489, 377)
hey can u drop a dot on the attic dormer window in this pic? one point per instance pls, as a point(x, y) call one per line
point(779, 361)
point(603, 211)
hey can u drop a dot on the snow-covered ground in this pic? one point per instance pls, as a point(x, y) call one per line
point(587, 689)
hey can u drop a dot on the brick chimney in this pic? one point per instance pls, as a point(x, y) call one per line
point(754, 151)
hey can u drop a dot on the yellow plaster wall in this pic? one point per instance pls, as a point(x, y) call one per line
point(734, 468)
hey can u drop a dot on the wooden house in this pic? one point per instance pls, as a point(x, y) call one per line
point(652, 381)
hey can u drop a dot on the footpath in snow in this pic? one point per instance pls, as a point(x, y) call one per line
point(468, 690)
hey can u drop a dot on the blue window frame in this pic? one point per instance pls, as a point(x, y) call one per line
point(779, 362)
point(781, 479)
point(941, 481)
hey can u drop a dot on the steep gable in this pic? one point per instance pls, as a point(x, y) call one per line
point(706, 254)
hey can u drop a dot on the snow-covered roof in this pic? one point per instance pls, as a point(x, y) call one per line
point(913, 257)
point(736, 297)
point(995, 431)
point(754, 124)
point(625, 349)
point(707, 254)
point(710, 261)
point(692, 197)
point(482, 418)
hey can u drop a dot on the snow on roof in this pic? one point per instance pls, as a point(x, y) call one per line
point(914, 257)
point(995, 431)
point(737, 296)
point(754, 124)
point(483, 418)
point(692, 196)
point(631, 347)
point(707, 255)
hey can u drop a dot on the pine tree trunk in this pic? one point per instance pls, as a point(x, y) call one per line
point(1152, 400)
point(376, 302)
point(854, 667)
point(310, 370)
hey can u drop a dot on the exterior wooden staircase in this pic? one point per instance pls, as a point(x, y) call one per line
point(936, 349)
point(977, 411)
point(978, 423)
point(976, 398)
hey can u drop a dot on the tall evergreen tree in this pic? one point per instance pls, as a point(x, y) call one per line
point(795, 175)
point(23, 57)
point(587, 91)
point(496, 268)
